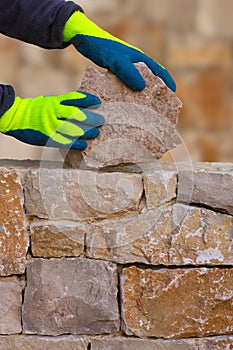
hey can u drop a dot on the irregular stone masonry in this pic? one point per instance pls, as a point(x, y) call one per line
point(114, 260)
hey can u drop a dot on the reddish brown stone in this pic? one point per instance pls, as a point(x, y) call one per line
point(57, 239)
point(14, 239)
point(177, 303)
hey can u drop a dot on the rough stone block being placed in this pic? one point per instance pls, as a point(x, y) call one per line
point(140, 126)
point(70, 296)
point(181, 303)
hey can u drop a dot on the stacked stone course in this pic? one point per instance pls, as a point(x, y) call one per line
point(133, 261)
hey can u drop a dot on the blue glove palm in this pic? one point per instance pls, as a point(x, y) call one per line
point(109, 52)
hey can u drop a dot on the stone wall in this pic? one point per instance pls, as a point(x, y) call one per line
point(116, 260)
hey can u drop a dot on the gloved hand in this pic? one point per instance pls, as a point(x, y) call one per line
point(109, 52)
point(55, 121)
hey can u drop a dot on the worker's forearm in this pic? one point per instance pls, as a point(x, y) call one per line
point(39, 22)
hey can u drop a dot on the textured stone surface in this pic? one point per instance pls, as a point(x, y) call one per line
point(212, 185)
point(142, 238)
point(72, 194)
point(139, 126)
point(10, 307)
point(23, 342)
point(160, 187)
point(176, 235)
point(120, 343)
point(177, 303)
point(76, 296)
point(14, 239)
point(57, 239)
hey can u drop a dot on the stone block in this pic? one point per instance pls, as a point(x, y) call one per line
point(140, 126)
point(14, 239)
point(177, 235)
point(142, 238)
point(10, 309)
point(179, 303)
point(70, 296)
point(79, 195)
point(160, 187)
point(41, 343)
point(211, 185)
point(57, 239)
point(120, 343)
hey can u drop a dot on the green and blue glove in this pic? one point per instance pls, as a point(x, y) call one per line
point(54, 121)
point(109, 52)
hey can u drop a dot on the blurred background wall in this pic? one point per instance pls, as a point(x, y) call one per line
point(192, 38)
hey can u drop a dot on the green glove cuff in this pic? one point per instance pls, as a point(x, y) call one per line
point(79, 24)
point(7, 118)
point(71, 26)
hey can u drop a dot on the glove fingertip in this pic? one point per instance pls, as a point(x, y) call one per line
point(79, 145)
point(138, 85)
point(161, 72)
point(129, 74)
point(91, 134)
point(90, 99)
point(172, 85)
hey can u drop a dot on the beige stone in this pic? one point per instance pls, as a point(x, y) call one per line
point(142, 238)
point(78, 195)
point(57, 239)
point(70, 296)
point(200, 237)
point(14, 239)
point(140, 126)
point(120, 343)
point(177, 235)
point(160, 187)
point(209, 184)
point(10, 307)
point(177, 303)
point(28, 342)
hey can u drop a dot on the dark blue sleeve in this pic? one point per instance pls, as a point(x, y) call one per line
point(39, 22)
point(7, 97)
